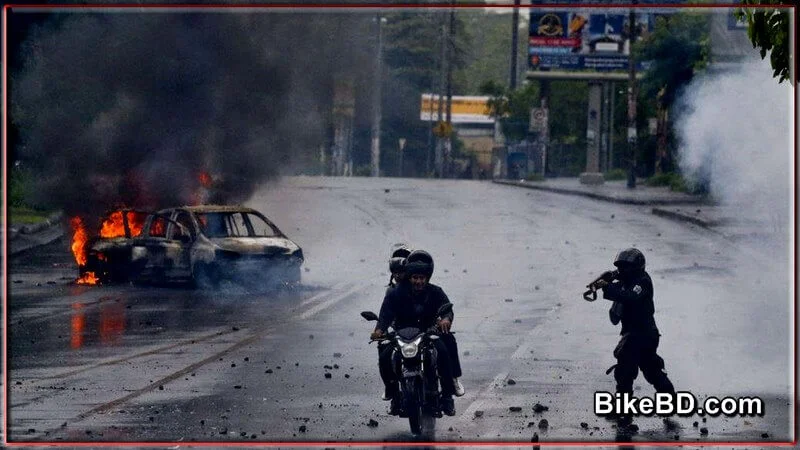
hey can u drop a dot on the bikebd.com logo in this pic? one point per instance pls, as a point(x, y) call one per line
point(680, 403)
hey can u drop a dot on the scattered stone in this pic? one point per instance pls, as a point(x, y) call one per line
point(268, 371)
point(633, 428)
point(51, 282)
point(372, 423)
point(152, 419)
point(223, 431)
point(17, 281)
point(246, 359)
point(243, 434)
point(202, 422)
point(695, 424)
point(327, 375)
point(161, 388)
point(364, 259)
point(387, 190)
point(450, 429)
point(509, 300)
point(238, 386)
point(253, 436)
point(478, 413)
point(335, 366)
point(302, 428)
point(235, 328)
point(466, 353)
point(515, 408)
point(612, 216)
point(764, 435)
point(311, 336)
point(465, 270)
point(327, 367)
point(543, 424)
point(535, 437)
point(347, 375)
point(704, 420)
point(233, 364)
point(511, 382)
point(337, 355)
point(704, 431)
point(538, 407)
point(530, 424)
point(308, 270)
point(536, 288)
point(584, 425)
point(31, 430)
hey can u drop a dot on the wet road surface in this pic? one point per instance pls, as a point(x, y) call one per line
point(172, 364)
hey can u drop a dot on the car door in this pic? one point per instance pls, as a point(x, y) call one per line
point(181, 235)
point(150, 249)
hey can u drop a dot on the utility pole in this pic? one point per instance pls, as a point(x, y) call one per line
point(376, 104)
point(632, 144)
point(514, 39)
point(439, 156)
point(448, 140)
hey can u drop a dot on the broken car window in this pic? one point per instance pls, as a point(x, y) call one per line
point(261, 228)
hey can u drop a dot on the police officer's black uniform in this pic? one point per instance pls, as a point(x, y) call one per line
point(632, 295)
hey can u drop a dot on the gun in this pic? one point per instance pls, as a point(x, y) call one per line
point(591, 294)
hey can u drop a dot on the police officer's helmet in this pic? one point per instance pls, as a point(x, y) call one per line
point(419, 262)
point(630, 259)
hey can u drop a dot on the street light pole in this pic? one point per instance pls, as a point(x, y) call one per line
point(376, 106)
point(514, 39)
point(632, 144)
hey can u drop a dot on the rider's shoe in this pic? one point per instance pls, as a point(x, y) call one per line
point(394, 406)
point(448, 405)
point(459, 388)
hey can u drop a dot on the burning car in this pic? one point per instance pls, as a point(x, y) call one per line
point(208, 243)
point(107, 257)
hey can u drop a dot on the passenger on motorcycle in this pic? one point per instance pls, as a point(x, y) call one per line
point(414, 303)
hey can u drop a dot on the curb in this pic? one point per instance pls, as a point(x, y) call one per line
point(608, 198)
point(683, 217)
point(49, 222)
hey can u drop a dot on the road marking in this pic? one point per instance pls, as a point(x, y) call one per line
point(479, 400)
point(320, 295)
point(330, 302)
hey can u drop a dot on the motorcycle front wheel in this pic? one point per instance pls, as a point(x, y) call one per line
point(413, 405)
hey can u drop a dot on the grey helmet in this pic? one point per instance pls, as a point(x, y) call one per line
point(419, 262)
point(630, 258)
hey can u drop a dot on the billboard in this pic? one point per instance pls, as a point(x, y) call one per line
point(464, 108)
point(583, 39)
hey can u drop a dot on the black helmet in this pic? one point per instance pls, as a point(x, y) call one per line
point(419, 262)
point(400, 250)
point(397, 264)
point(630, 258)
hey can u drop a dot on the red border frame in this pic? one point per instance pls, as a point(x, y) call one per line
point(6, 8)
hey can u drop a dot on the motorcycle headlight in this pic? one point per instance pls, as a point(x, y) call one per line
point(410, 349)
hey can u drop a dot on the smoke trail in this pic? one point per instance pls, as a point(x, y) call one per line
point(735, 134)
point(128, 108)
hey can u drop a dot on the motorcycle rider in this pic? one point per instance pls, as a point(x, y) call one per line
point(397, 261)
point(632, 294)
point(414, 303)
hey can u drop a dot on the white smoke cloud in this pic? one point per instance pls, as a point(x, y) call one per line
point(735, 130)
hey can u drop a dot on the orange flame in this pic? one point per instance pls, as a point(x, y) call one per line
point(88, 278)
point(114, 226)
point(79, 239)
point(205, 179)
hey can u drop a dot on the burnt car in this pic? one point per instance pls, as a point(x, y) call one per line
point(108, 255)
point(209, 243)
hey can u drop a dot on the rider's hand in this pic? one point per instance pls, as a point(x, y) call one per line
point(444, 325)
point(601, 284)
point(376, 334)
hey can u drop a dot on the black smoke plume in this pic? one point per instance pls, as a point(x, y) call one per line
point(129, 107)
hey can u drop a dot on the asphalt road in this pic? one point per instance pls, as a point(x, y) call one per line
point(171, 364)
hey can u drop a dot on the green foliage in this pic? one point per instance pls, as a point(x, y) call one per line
point(673, 180)
point(511, 108)
point(534, 177)
point(489, 55)
point(17, 187)
point(678, 48)
point(615, 174)
point(363, 170)
point(769, 31)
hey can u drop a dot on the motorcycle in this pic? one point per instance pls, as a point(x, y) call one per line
point(414, 359)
